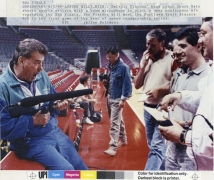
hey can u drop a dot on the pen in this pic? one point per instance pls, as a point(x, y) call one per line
point(158, 106)
point(169, 112)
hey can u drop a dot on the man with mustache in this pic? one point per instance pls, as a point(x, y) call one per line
point(155, 73)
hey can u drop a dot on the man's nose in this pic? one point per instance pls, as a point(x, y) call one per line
point(148, 47)
point(40, 68)
point(200, 40)
point(179, 50)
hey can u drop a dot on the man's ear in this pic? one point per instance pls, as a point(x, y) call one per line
point(21, 60)
point(199, 47)
point(162, 43)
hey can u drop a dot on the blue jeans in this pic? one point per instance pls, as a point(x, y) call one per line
point(54, 150)
point(156, 144)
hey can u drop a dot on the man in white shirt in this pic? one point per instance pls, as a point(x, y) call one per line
point(199, 138)
point(86, 102)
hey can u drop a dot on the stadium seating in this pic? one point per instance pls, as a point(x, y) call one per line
point(57, 42)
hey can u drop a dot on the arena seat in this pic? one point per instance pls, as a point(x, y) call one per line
point(12, 162)
point(50, 73)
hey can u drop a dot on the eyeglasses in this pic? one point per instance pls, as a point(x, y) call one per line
point(207, 19)
point(180, 55)
point(201, 34)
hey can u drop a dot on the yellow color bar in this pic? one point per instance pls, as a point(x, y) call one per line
point(88, 175)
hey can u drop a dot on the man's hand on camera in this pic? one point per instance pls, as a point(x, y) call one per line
point(61, 105)
point(41, 119)
point(171, 133)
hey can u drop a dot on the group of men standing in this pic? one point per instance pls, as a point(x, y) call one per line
point(191, 145)
point(186, 73)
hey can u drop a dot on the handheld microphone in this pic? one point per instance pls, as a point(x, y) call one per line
point(32, 101)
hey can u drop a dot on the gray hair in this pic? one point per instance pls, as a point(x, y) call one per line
point(208, 19)
point(26, 47)
point(174, 43)
point(161, 35)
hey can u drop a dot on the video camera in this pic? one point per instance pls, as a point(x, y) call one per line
point(103, 77)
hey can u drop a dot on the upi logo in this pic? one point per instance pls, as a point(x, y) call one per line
point(35, 175)
point(43, 175)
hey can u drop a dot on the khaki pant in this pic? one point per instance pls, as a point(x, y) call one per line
point(117, 129)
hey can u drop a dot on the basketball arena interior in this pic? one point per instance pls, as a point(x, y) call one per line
point(79, 50)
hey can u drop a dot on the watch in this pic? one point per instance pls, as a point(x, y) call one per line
point(182, 136)
point(186, 126)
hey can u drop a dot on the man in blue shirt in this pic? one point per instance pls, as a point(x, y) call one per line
point(119, 89)
point(32, 134)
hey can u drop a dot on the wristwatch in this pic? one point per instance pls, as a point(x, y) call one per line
point(186, 126)
point(182, 136)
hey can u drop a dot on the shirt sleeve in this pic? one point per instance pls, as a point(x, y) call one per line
point(188, 138)
point(127, 84)
point(12, 128)
point(190, 99)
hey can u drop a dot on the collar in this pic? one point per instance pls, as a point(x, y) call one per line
point(179, 72)
point(198, 70)
point(163, 53)
point(161, 56)
point(15, 81)
point(115, 65)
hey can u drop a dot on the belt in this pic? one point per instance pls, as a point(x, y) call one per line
point(150, 105)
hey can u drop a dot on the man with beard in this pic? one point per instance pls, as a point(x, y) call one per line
point(156, 68)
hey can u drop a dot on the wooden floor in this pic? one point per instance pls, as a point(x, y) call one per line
point(95, 138)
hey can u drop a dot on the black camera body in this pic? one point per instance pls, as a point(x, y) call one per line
point(103, 77)
point(165, 123)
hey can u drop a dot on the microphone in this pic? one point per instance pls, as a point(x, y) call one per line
point(32, 101)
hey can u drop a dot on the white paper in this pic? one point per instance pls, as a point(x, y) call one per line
point(158, 115)
point(143, 97)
